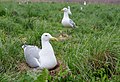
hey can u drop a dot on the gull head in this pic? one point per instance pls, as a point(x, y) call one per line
point(47, 37)
point(68, 7)
point(64, 10)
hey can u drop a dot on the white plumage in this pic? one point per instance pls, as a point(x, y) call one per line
point(42, 58)
point(69, 11)
point(66, 21)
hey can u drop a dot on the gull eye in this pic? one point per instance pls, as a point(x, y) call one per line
point(45, 35)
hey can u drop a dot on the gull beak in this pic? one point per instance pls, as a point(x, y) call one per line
point(53, 38)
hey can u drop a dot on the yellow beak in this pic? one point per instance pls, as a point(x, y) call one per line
point(53, 38)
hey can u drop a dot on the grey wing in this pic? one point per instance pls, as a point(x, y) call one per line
point(72, 23)
point(39, 49)
point(37, 61)
point(32, 50)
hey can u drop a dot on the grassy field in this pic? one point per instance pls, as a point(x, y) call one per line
point(91, 54)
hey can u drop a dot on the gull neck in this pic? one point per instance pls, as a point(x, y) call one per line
point(66, 15)
point(46, 45)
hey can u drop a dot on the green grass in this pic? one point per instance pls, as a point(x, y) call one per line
point(92, 53)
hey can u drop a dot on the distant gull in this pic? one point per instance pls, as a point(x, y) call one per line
point(85, 3)
point(66, 21)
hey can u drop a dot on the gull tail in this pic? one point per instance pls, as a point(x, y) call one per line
point(23, 46)
point(75, 26)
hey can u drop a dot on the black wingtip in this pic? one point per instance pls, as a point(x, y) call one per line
point(23, 46)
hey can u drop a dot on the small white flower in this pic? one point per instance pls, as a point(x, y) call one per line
point(81, 8)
